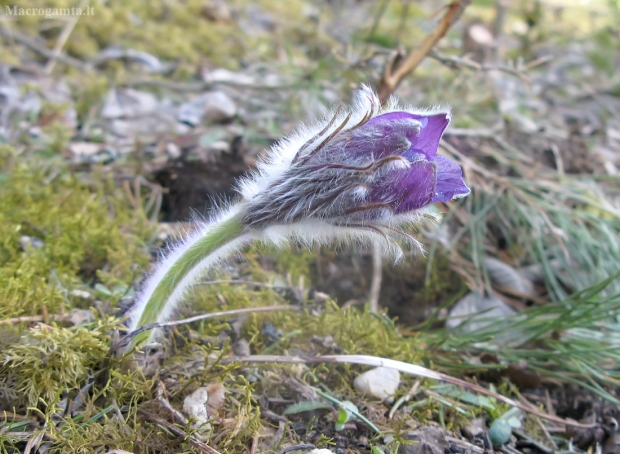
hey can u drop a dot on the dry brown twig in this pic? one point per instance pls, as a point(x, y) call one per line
point(300, 447)
point(518, 69)
point(202, 447)
point(394, 73)
point(36, 319)
point(160, 395)
point(127, 338)
point(377, 275)
point(412, 392)
point(62, 40)
point(34, 45)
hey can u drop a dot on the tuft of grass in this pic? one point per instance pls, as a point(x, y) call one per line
point(575, 340)
point(565, 224)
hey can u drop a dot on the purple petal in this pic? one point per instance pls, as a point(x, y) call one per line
point(420, 186)
point(450, 182)
point(407, 189)
point(433, 127)
point(423, 142)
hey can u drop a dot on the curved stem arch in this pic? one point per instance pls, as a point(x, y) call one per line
point(178, 271)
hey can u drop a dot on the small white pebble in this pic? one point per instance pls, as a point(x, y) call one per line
point(81, 294)
point(195, 405)
point(380, 382)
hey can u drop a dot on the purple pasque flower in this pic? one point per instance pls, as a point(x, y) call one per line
point(366, 170)
point(361, 175)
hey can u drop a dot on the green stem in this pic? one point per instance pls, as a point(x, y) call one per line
point(179, 270)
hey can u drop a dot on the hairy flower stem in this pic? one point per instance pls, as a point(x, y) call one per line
point(178, 271)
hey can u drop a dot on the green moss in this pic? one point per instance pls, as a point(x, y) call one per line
point(354, 331)
point(57, 233)
point(50, 361)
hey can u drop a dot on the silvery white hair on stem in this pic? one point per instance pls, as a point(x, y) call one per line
point(360, 175)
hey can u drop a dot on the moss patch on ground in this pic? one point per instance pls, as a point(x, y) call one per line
point(61, 234)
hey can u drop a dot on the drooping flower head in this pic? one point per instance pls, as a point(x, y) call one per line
point(364, 171)
point(361, 175)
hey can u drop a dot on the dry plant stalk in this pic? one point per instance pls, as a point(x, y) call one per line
point(394, 74)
